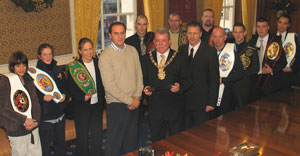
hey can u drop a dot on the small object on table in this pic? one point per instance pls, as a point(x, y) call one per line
point(146, 151)
point(244, 149)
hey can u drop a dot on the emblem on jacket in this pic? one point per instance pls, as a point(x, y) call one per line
point(21, 101)
point(273, 51)
point(225, 62)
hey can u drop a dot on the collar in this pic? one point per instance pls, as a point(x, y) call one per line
point(265, 38)
point(195, 47)
point(112, 45)
point(165, 54)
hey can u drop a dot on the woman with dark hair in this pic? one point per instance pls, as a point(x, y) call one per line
point(86, 88)
point(52, 126)
point(19, 122)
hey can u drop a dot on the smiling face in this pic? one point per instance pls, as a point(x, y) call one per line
point(20, 69)
point(87, 52)
point(162, 42)
point(194, 35)
point(239, 34)
point(46, 55)
point(117, 35)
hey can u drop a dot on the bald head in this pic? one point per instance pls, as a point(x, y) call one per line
point(219, 37)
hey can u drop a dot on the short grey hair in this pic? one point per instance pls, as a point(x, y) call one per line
point(161, 31)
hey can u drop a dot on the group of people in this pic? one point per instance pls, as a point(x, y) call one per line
point(184, 76)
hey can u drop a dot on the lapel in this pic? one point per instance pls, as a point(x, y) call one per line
point(170, 55)
point(198, 51)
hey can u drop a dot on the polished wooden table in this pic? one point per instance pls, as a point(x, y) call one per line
point(272, 123)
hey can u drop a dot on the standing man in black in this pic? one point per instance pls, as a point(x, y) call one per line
point(207, 27)
point(244, 88)
point(271, 59)
point(165, 79)
point(143, 43)
point(226, 52)
point(291, 48)
point(141, 40)
point(203, 66)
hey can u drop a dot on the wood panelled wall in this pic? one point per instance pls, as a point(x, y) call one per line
point(263, 10)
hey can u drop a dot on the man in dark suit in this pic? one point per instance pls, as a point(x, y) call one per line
point(271, 59)
point(141, 40)
point(288, 77)
point(203, 67)
point(226, 51)
point(248, 54)
point(207, 27)
point(143, 43)
point(165, 78)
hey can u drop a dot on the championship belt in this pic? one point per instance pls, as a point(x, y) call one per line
point(271, 57)
point(82, 77)
point(44, 83)
point(247, 55)
point(161, 69)
point(19, 96)
point(226, 62)
point(289, 46)
point(182, 38)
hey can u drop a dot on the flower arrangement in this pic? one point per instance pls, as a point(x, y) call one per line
point(33, 5)
point(173, 154)
point(282, 7)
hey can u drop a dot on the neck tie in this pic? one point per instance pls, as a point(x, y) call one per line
point(142, 45)
point(162, 61)
point(261, 54)
point(191, 56)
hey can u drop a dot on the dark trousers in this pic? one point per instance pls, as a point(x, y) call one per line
point(122, 129)
point(88, 125)
point(194, 118)
point(55, 133)
point(159, 128)
point(227, 103)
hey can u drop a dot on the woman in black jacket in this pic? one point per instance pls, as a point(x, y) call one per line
point(88, 107)
point(52, 126)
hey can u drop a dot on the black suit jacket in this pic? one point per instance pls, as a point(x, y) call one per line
point(78, 95)
point(134, 41)
point(163, 103)
point(273, 80)
point(204, 72)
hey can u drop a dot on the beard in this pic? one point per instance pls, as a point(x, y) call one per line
point(208, 23)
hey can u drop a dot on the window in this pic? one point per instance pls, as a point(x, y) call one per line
point(112, 11)
point(227, 17)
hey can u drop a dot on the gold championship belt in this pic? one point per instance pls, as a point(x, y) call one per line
point(273, 51)
point(19, 96)
point(246, 56)
point(271, 57)
point(45, 83)
point(161, 69)
point(289, 46)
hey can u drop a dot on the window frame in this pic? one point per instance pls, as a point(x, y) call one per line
point(224, 6)
point(118, 15)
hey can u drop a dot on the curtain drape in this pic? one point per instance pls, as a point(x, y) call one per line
point(216, 6)
point(154, 10)
point(87, 14)
point(248, 14)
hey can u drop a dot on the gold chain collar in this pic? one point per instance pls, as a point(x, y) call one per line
point(166, 64)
